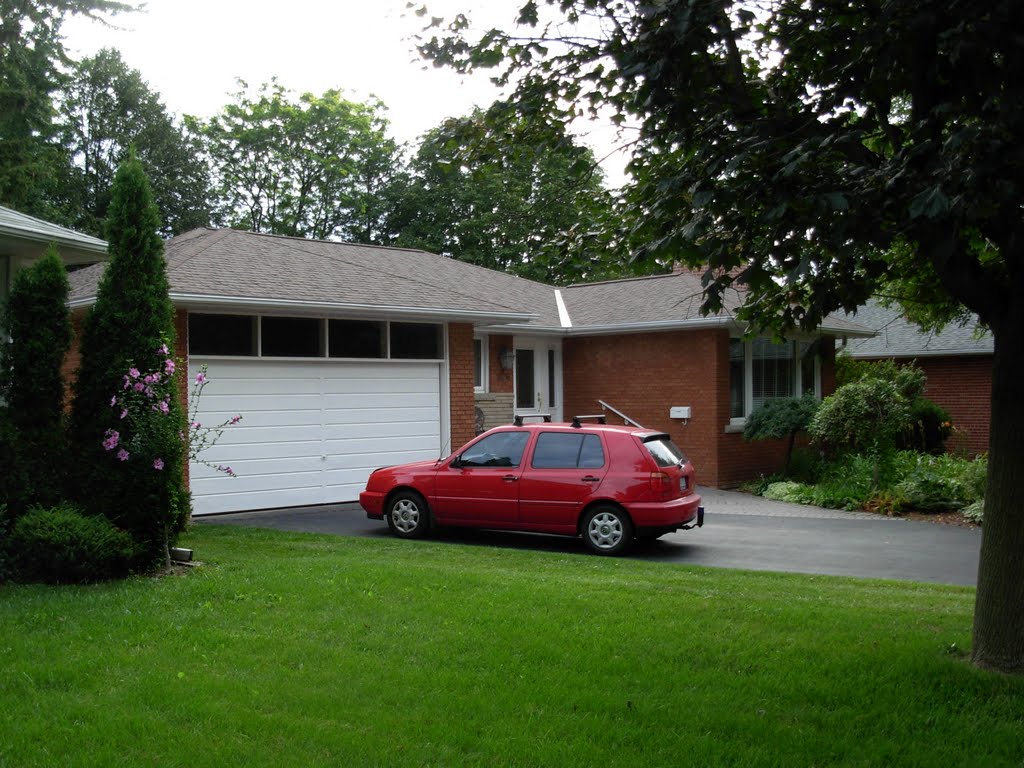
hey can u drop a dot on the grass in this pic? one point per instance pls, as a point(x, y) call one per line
point(293, 649)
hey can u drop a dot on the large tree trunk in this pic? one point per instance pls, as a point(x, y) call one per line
point(999, 606)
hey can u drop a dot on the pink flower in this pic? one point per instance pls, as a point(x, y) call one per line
point(200, 378)
point(158, 464)
point(164, 407)
point(168, 366)
point(124, 412)
point(112, 438)
point(113, 401)
point(235, 419)
point(123, 455)
point(196, 425)
point(139, 386)
point(163, 349)
point(133, 372)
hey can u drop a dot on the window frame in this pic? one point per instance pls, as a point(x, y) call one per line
point(798, 343)
point(481, 364)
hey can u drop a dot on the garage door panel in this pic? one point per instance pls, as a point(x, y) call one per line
point(311, 433)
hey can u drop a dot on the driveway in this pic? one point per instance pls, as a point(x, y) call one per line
point(740, 531)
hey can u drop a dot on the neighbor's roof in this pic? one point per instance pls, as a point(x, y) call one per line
point(23, 227)
point(232, 270)
point(898, 337)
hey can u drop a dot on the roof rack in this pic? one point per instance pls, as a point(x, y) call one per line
point(518, 418)
point(597, 417)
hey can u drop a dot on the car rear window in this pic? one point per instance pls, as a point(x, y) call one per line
point(556, 450)
point(664, 452)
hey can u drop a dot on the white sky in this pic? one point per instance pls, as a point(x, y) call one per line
point(191, 52)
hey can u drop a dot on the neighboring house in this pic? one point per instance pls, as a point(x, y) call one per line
point(23, 239)
point(342, 358)
point(957, 361)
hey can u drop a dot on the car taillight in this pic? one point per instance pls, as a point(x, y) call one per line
point(661, 483)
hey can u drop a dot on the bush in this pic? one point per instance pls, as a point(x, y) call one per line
point(975, 512)
point(31, 382)
point(787, 490)
point(60, 545)
point(781, 418)
point(864, 416)
point(929, 427)
point(944, 482)
point(849, 482)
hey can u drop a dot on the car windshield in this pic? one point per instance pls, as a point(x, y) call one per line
point(664, 451)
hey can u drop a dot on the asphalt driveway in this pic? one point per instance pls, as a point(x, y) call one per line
point(740, 531)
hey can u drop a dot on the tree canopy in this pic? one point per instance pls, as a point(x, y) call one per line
point(473, 194)
point(32, 57)
point(307, 167)
point(814, 153)
point(105, 109)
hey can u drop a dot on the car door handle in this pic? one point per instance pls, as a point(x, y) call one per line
point(510, 478)
point(591, 479)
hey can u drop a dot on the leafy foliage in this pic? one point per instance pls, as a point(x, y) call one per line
point(60, 545)
point(864, 416)
point(474, 193)
point(314, 167)
point(32, 56)
point(105, 109)
point(780, 418)
point(31, 383)
point(131, 320)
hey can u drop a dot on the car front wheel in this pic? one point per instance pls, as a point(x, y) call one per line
point(607, 530)
point(407, 515)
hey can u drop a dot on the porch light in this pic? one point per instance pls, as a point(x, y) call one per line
point(507, 358)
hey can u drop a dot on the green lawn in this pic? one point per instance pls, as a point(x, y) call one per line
point(292, 649)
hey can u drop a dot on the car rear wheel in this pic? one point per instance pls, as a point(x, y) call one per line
point(607, 530)
point(407, 515)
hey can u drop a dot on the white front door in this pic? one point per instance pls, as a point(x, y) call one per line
point(538, 377)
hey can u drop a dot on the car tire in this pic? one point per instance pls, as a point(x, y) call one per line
point(607, 530)
point(407, 515)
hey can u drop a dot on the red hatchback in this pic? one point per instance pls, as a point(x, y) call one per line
point(608, 484)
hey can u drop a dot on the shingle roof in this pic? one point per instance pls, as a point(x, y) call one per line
point(22, 226)
point(234, 269)
point(897, 337)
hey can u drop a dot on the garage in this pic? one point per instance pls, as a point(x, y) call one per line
point(311, 431)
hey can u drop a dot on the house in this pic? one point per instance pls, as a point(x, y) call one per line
point(23, 239)
point(343, 357)
point(956, 360)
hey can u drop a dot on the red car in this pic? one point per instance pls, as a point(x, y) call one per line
point(608, 484)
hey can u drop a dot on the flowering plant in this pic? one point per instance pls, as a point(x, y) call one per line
point(203, 437)
point(144, 398)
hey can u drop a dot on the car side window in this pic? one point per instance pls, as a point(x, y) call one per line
point(502, 449)
point(559, 450)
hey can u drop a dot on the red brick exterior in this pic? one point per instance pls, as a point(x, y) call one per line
point(460, 383)
point(500, 380)
point(961, 384)
point(643, 375)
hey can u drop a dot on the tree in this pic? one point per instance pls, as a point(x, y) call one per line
point(130, 466)
point(476, 195)
point(781, 418)
point(106, 108)
point(812, 153)
point(308, 168)
point(32, 58)
point(31, 382)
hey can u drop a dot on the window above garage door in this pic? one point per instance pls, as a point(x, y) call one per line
point(311, 337)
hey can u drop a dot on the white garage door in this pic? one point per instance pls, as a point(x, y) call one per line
point(311, 433)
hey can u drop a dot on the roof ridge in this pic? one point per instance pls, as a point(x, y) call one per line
point(631, 279)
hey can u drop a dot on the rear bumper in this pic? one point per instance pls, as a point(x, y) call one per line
point(372, 503)
point(685, 512)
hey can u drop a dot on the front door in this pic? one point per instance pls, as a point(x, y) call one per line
point(538, 377)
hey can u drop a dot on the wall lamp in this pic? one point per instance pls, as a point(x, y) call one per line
point(506, 358)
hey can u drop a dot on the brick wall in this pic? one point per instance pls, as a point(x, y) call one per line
point(963, 386)
point(460, 383)
point(497, 408)
point(499, 380)
point(643, 375)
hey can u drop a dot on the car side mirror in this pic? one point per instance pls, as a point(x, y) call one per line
point(456, 462)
